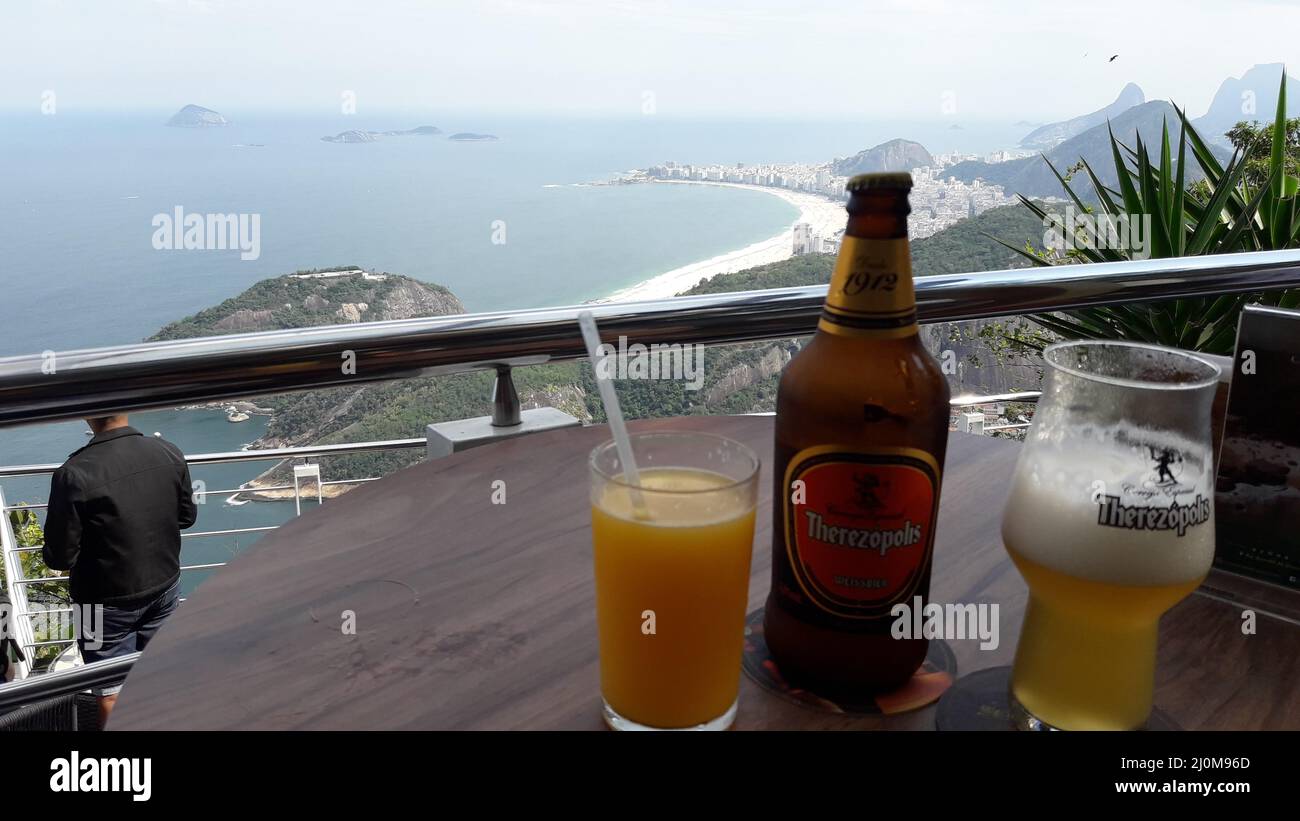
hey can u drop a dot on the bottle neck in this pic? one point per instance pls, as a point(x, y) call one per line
point(871, 294)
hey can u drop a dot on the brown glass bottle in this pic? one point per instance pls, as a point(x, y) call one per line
point(861, 433)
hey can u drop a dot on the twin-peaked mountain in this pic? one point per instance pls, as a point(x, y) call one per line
point(1250, 98)
point(1032, 177)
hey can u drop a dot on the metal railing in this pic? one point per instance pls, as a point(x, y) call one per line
point(48, 685)
point(22, 613)
point(73, 384)
point(79, 383)
point(16, 626)
point(222, 457)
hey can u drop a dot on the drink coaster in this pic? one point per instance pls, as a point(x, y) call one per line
point(982, 701)
point(925, 687)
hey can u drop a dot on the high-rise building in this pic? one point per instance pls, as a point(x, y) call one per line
point(803, 237)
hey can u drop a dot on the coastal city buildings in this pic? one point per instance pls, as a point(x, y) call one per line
point(807, 241)
point(938, 201)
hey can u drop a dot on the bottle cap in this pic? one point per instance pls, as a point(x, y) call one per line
point(891, 180)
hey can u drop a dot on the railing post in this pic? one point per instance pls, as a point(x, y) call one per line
point(971, 423)
point(311, 470)
point(508, 420)
point(505, 399)
point(19, 625)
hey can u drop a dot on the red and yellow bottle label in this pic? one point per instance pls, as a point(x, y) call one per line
point(860, 526)
point(871, 291)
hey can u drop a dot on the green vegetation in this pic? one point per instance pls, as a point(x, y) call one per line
point(967, 246)
point(400, 409)
point(27, 532)
point(962, 248)
point(290, 302)
point(809, 269)
point(1255, 143)
point(737, 378)
point(1246, 205)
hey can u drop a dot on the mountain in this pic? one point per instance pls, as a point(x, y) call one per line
point(317, 297)
point(339, 295)
point(1252, 98)
point(737, 378)
point(196, 116)
point(895, 155)
point(1032, 177)
point(1053, 134)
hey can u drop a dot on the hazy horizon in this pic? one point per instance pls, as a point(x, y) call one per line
point(822, 61)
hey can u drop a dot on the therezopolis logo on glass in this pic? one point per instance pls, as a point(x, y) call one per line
point(1161, 480)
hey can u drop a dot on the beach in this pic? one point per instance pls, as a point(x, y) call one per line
point(824, 215)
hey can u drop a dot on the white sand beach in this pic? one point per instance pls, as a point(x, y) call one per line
point(824, 215)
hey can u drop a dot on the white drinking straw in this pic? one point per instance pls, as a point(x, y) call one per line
point(591, 336)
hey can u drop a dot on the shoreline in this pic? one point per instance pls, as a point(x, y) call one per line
point(239, 404)
point(826, 216)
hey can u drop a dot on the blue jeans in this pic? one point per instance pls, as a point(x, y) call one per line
point(124, 630)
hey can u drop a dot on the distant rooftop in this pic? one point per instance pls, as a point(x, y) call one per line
point(348, 273)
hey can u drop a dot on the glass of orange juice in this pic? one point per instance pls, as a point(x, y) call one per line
point(672, 560)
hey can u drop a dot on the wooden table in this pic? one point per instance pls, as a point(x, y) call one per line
point(473, 615)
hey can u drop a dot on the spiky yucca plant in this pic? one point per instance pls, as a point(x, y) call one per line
point(1235, 216)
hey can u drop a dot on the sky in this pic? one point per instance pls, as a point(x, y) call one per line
point(813, 59)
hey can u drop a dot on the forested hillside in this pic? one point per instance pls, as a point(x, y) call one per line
point(737, 378)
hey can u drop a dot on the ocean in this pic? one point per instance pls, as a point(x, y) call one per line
point(81, 189)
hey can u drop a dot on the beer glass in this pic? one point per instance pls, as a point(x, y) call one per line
point(672, 557)
point(1111, 522)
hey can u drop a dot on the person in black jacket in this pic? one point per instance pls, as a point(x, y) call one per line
point(116, 510)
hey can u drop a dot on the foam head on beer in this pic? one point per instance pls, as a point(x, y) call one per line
point(1116, 504)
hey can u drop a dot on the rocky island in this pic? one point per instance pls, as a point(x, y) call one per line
point(471, 137)
point(329, 296)
point(356, 136)
point(196, 116)
point(351, 137)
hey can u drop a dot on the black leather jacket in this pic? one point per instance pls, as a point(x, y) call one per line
point(117, 507)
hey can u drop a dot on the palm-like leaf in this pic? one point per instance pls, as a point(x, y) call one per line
point(1235, 216)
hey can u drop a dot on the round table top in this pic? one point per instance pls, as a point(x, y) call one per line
point(474, 615)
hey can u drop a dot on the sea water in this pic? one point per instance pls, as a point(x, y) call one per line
point(511, 224)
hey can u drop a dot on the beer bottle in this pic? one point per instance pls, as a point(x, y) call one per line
point(861, 432)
